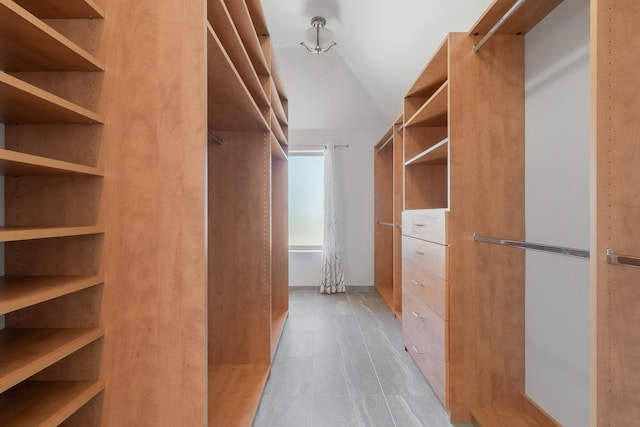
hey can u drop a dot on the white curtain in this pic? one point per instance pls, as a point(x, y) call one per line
point(332, 275)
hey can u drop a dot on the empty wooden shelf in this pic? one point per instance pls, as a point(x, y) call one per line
point(16, 163)
point(10, 234)
point(243, 22)
point(436, 155)
point(21, 102)
point(45, 403)
point(28, 44)
point(25, 291)
point(25, 352)
point(62, 9)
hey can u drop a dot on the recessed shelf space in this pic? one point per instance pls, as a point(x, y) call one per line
point(231, 106)
point(24, 291)
point(45, 403)
point(435, 155)
point(21, 102)
point(224, 28)
point(28, 44)
point(433, 112)
point(27, 351)
point(277, 151)
point(235, 392)
point(21, 164)
point(244, 24)
point(276, 104)
point(277, 129)
point(11, 234)
point(63, 9)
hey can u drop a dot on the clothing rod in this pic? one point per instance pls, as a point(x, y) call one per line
point(215, 138)
point(514, 8)
point(312, 148)
point(558, 250)
point(617, 259)
point(388, 224)
point(385, 143)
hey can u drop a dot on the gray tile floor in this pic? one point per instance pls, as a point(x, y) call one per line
point(341, 362)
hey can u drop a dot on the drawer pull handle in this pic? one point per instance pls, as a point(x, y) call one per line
point(419, 253)
point(417, 283)
point(418, 224)
point(416, 350)
point(416, 315)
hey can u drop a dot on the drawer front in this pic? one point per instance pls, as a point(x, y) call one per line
point(429, 288)
point(427, 255)
point(431, 326)
point(426, 224)
point(427, 358)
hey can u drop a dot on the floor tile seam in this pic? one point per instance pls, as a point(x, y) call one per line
point(366, 345)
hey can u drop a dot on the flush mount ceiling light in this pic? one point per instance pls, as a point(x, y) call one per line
point(318, 39)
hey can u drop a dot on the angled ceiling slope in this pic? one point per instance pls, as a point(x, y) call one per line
point(382, 46)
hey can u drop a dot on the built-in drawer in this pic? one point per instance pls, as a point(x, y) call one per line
point(428, 224)
point(429, 288)
point(428, 359)
point(431, 326)
point(427, 255)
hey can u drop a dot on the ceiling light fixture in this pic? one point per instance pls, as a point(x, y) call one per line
point(318, 39)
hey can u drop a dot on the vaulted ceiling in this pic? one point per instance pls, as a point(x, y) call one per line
point(382, 46)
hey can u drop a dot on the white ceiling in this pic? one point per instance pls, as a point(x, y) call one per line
point(382, 46)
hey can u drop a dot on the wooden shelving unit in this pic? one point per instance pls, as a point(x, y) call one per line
point(456, 114)
point(248, 249)
point(50, 295)
point(387, 217)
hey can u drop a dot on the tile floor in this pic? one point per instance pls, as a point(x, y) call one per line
point(341, 362)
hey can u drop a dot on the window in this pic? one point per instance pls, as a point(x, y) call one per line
point(306, 199)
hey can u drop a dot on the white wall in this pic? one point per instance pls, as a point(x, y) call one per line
point(354, 169)
point(557, 212)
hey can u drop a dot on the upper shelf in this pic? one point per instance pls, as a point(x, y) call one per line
point(276, 104)
point(277, 130)
point(21, 102)
point(433, 75)
point(434, 111)
point(244, 24)
point(526, 17)
point(223, 26)
point(27, 351)
point(28, 44)
point(45, 403)
point(20, 292)
point(20, 164)
point(230, 105)
point(63, 9)
point(277, 151)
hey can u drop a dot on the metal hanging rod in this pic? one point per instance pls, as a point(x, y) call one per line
point(215, 138)
point(559, 250)
point(388, 224)
point(510, 12)
point(616, 259)
point(385, 143)
point(312, 148)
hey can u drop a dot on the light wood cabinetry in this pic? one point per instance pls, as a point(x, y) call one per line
point(387, 217)
point(51, 292)
point(463, 157)
point(247, 215)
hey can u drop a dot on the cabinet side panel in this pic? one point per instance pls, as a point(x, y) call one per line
point(615, 212)
point(154, 307)
point(487, 196)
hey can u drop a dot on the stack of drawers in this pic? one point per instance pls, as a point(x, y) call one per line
point(425, 294)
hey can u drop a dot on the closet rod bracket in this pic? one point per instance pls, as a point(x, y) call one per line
point(626, 260)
